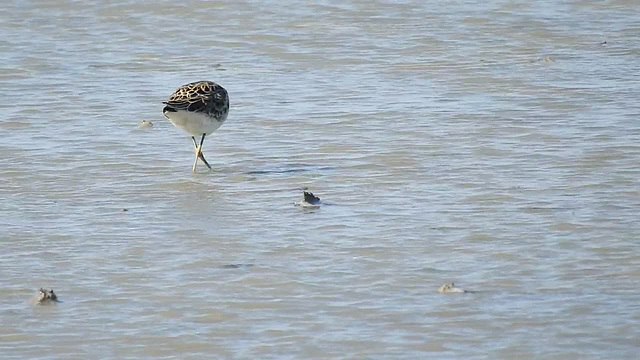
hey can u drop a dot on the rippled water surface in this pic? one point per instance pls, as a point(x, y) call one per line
point(495, 144)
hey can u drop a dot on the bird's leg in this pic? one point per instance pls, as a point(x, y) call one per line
point(195, 162)
point(199, 152)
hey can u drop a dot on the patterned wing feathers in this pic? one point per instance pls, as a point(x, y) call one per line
point(201, 96)
point(192, 97)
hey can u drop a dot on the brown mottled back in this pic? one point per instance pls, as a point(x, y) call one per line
point(201, 96)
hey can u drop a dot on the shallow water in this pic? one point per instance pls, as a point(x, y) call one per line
point(492, 144)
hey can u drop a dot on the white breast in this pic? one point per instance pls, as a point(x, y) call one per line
point(194, 123)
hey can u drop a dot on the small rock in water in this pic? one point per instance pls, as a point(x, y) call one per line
point(450, 288)
point(309, 200)
point(45, 296)
point(144, 124)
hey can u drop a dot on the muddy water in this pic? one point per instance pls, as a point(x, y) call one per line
point(491, 144)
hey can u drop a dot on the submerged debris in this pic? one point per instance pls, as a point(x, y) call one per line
point(309, 200)
point(144, 124)
point(542, 59)
point(45, 296)
point(451, 288)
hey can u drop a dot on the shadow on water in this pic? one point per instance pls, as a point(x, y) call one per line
point(291, 169)
point(237, 266)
